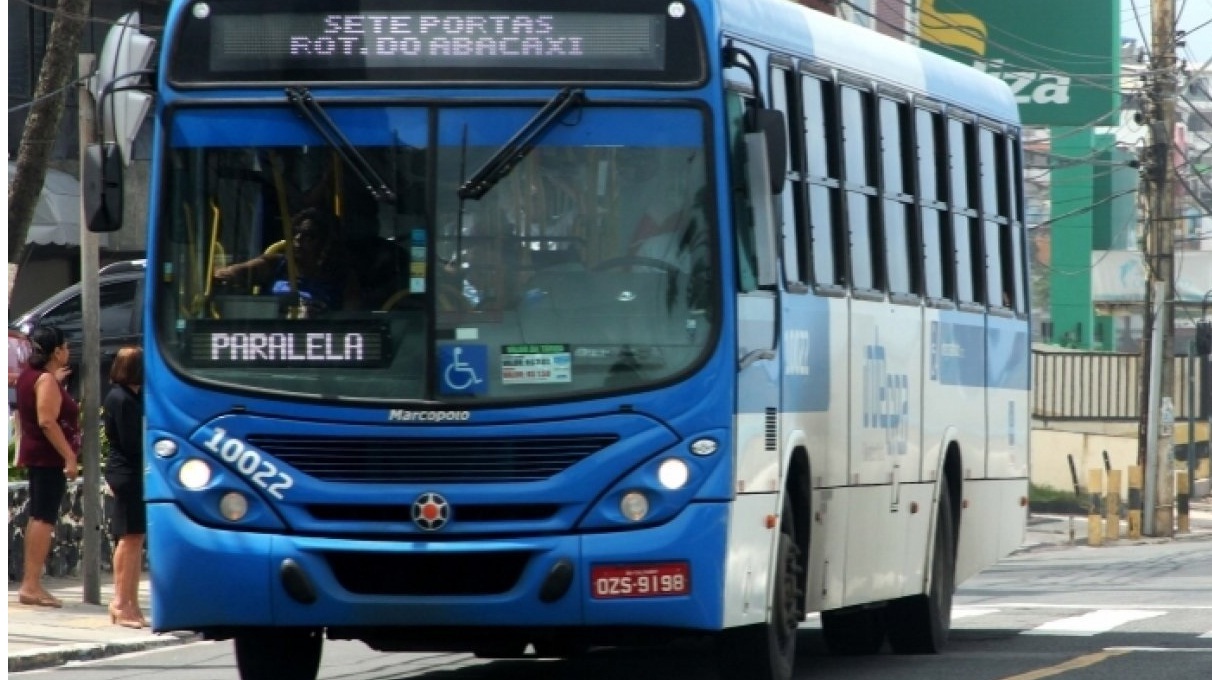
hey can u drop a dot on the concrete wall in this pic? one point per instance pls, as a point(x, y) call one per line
point(66, 551)
point(1051, 449)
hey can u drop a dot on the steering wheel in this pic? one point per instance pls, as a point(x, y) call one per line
point(638, 261)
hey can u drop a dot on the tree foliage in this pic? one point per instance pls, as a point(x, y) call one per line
point(42, 126)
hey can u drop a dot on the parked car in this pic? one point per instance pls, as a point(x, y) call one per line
point(121, 304)
point(18, 357)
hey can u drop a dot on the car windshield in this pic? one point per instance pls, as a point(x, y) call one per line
point(588, 267)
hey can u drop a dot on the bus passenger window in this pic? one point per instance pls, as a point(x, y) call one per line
point(823, 175)
point(1020, 269)
point(897, 203)
point(938, 263)
point(969, 261)
point(742, 208)
point(791, 204)
point(857, 143)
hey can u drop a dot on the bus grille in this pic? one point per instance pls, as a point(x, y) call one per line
point(460, 460)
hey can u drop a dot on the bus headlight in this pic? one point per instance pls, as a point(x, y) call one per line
point(233, 506)
point(634, 506)
point(194, 473)
point(673, 473)
point(704, 447)
point(165, 448)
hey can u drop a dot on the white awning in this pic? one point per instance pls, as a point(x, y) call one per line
point(57, 214)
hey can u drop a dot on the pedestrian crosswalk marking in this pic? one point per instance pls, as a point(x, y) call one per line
point(969, 612)
point(1092, 623)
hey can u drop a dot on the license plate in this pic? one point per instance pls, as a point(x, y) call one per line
point(640, 580)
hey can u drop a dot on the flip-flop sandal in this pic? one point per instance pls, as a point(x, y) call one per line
point(40, 601)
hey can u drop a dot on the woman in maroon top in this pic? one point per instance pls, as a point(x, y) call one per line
point(50, 441)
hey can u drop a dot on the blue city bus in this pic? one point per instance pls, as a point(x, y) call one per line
point(535, 326)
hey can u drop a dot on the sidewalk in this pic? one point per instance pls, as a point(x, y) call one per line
point(39, 637)
point(1047, 530)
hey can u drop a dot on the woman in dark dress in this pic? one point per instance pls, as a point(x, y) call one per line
point(124, 475)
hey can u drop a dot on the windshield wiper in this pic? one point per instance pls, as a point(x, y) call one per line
point(508, 156)
point(301, 99)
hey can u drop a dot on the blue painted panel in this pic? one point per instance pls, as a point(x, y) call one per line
point(280, 126)
point(1009, 352)
point(807, 355)
point(957, 350)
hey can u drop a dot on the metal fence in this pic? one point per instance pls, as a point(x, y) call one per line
point(1106, 386)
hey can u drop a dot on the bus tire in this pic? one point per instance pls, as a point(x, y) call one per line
point(920, 624)
point(854, 632)
point(767, 651)
point(279, 654)
point(560, 649)
point(501, 649)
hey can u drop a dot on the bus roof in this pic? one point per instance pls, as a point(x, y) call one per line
point(797, 30)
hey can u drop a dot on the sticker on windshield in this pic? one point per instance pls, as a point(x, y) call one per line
point(419, 256)
point(535, 364)
point(463, 369)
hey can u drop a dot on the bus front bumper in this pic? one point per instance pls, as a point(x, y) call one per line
point(213, 579)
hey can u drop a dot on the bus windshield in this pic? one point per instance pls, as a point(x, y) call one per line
point(589, 267)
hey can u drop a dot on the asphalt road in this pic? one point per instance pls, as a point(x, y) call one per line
point(1122, 612)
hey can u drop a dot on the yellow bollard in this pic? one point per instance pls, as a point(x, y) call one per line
point(1094, 527)
point(1182, 500)
point(1113, 483)
point(1136, 500)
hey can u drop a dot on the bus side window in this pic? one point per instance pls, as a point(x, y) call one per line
point(998, 268)
point(964, 219)
point(791, 208)
point(858, 137)
point(896, 175)
point(1013, 160)
point(822, 171)
point(742, 202)
point(931, 191)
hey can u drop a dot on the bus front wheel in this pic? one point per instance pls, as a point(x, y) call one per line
point(767, 651)
point(279, 654)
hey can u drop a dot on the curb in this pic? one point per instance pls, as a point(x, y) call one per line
point(88, 651)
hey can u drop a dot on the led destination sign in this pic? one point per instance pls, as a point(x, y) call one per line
point(451, 37)
point(260, 42)
point(293, 343)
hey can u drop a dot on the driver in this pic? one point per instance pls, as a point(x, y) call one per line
point(325, 279)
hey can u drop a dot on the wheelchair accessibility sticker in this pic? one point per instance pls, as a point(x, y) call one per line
point(463, 369)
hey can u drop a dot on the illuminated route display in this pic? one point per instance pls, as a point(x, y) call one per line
point(229, 43)
point(292, 343)
point(465, 37)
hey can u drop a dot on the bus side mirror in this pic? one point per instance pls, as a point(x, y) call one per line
point(773, 126)
point(101, 187)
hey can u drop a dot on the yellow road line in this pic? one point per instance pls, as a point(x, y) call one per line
point(1072, 664)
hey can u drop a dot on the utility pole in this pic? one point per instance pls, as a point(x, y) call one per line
point(90, 367)
point(1157, 384)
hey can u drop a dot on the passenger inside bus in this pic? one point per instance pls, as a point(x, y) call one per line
point(324, 277)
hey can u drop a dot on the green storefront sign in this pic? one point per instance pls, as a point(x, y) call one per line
point(1060, 57)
